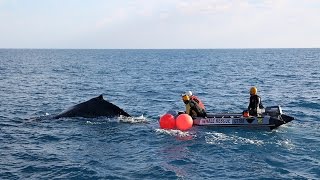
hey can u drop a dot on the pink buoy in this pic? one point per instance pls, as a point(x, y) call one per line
point(184, 122)
point(167, 121)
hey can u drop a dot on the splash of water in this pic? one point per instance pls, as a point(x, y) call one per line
point(139, 119)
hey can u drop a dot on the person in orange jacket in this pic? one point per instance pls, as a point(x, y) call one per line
point(196, 99)
point(192, 107)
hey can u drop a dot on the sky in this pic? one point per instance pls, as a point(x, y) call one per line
point(159, 24)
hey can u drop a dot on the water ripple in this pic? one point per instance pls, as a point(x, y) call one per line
point(37, 84)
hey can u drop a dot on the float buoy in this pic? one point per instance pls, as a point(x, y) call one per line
point(184, 122)
point(167, 121)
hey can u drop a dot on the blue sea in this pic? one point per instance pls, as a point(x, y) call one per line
point(38, 83)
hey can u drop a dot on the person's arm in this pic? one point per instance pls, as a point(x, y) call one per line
point(260, 104)
point(188, 108)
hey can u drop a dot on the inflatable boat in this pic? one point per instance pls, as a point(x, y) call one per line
point(270, 117)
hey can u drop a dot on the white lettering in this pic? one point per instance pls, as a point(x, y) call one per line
point(238, 121)
point(216, 121)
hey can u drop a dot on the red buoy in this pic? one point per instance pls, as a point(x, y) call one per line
point(167, 121)
point(184, 122)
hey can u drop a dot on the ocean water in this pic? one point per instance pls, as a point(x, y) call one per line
point(36, 84)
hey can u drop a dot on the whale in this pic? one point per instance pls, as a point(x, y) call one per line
point(93, 108)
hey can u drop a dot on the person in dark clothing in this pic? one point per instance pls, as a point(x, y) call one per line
point(255, 104)
point(192, 107)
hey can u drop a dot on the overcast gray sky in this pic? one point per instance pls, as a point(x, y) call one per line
point(159, 24)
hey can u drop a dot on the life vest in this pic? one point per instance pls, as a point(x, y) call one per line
point(197, 100)
point(254, 104)
point(194, 109)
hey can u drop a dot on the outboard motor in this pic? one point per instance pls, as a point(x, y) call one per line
point(273, 111)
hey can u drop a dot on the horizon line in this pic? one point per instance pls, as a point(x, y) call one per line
point(158, 48)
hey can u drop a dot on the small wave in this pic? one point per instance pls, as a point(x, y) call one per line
point(45, 116)
point(139, 119)
point(95, 122)
point(218, 138)
point(174, 132)
point(286, 144)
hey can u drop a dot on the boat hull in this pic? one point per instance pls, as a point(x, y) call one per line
point(240, 121)
point(271, 118)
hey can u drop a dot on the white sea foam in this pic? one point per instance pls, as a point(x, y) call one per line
point(286, 144)
point(139, 119)
point(174, 132)
point(218, 138)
